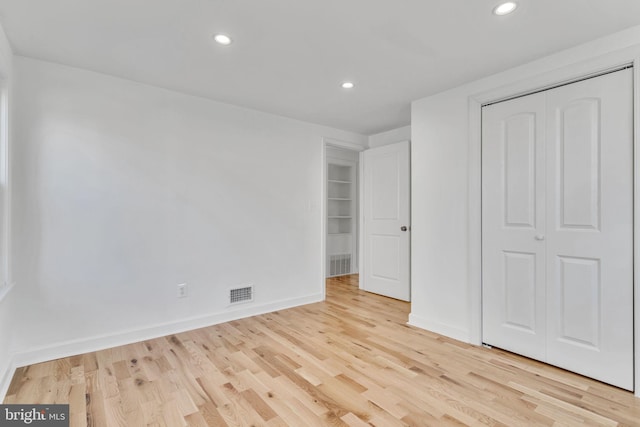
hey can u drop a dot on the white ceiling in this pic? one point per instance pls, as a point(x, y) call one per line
point(290, 56)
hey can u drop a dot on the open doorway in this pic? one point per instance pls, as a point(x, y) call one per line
point(366, 221)
point(342, 211)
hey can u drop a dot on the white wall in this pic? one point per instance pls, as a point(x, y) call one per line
point(439, 214)
point(390, 137)
point(445, 136)
point(125, 190)
point(7, 298)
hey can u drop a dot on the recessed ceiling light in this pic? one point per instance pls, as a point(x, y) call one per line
point(222, 39)
point(347, 85)
point(505, 8)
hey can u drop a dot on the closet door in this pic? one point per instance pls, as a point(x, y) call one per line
point(513, 219)
point(590, 228)
point(557, 227)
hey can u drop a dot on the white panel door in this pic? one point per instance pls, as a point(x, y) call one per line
point(386, 228)
point(513, 216)
point(590, 228)
point(557, 220)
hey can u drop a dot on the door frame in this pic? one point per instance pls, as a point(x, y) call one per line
point(565, 74)
point(344, 145)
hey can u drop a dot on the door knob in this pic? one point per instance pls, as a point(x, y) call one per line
point(539, 236)
point(404, 228)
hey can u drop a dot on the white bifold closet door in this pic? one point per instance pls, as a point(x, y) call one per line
point(557, 227)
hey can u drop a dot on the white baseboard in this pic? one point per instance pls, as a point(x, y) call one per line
point(6, 377)
point(439, 328)
point(85, 345)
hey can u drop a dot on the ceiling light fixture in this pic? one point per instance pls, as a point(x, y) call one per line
point(505, 8)
point(222, 39)
point(347, 85)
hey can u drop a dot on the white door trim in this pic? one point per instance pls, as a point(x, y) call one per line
point(475, 102)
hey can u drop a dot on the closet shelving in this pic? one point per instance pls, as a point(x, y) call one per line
point(341, 217)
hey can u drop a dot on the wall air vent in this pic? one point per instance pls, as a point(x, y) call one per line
point(240, 295)
point(339, 264)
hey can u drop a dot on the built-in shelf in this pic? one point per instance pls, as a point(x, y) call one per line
point(341, 212)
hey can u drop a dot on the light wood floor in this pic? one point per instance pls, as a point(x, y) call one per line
point(351, 360)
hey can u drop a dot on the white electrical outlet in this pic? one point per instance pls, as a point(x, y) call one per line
point(182, 290)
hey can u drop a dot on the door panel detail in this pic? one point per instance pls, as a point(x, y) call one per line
point(384, 191)
point(579, 316)
point(520, 290)
point(519, 159)
point(579, 165)
point(384, 257)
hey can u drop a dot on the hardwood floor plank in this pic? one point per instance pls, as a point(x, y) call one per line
point(211, 415)
point(349, 361)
